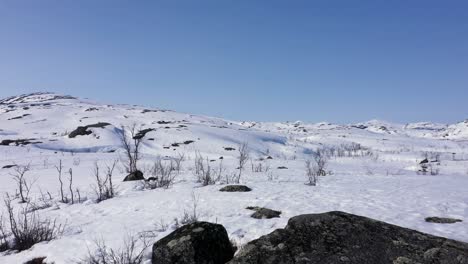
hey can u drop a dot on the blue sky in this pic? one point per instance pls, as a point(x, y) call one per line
point(337, 61)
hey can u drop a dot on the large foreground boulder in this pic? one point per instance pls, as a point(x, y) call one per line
point(197, 243)
point(338, 237)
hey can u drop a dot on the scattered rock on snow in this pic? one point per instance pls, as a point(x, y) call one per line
point(18, 117)
point(83, 130)
point(263, 213)
point(442, 220)
point(8, 166)
point(134, 176)
point(197, 243)
point(79, 131)
point(424, 161)
point(235, 188)
point(338, 237)
point(19, 142)
point(142, 133)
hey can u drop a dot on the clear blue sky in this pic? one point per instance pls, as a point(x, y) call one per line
point(337, 61)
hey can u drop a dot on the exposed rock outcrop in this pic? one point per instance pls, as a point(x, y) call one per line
point(83, 130)
point(338, 237)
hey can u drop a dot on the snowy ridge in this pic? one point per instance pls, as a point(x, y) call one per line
point(376, 173)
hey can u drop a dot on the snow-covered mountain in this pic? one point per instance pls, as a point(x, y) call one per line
point(374, 170)
point(49, 118)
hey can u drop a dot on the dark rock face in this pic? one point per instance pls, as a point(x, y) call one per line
point(19, 142)
point(338, 237)
point(442, 220)
point(197, 243)
point(134, 176)
point(263, 213)
point(424, 161)
point(79, 131)
point(235, 188)
point(142, 133)
point(36, 261)
point(83, 130)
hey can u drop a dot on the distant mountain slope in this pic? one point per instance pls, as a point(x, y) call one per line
point(49, 118)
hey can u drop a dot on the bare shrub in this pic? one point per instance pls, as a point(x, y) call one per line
point(26, 228)
point(3, 235)
point(270, 176)
point(44, 201)
point(321, 162)
point(242, 159)
point(311, 173)
point(198, 163)
point(132, 252)
point(70, 186)
point(206, 175)
point(162, 174)
point(259, 166)
point(350, 150)
point(24, 186)
point(178, 162)
point(59, 169)
point(131, 144)
point(189, 216)
point(104, 187)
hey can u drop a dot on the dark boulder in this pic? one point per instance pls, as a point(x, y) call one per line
point(235, 188)
point(134, 176)
point(338, 237)
point(442, 220)
point(197, 243)
point(263, 213)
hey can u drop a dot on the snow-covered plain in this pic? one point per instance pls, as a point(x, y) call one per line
point(383, 185)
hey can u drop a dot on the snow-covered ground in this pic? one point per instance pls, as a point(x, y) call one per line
point(380, 181)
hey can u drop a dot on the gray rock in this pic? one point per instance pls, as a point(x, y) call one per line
point(197, 243)
point(235, 188)
point(442, 220)
point(338, 237)
point(263, 213)
point(134, 176)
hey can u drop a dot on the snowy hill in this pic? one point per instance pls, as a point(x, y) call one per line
point(374, 171)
